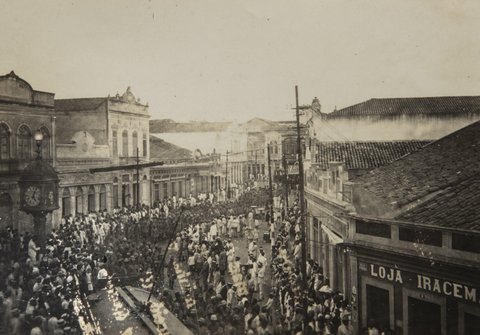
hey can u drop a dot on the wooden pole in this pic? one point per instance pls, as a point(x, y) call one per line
point(302, 195)
point(172, 236)
point(270, 183)
point(285, 173)
point(138, 181)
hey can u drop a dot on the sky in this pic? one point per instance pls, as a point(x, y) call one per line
point(228, 60)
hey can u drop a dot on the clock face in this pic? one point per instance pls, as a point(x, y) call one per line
point(32, 196)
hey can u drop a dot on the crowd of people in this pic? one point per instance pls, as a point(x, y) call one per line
point(231, 298)
point(43, 291)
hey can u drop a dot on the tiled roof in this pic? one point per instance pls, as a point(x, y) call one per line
point(70, 105)
point(409, 106)
point(364, 155)
point(166, 151)
point(456, 206)
point(439, 167)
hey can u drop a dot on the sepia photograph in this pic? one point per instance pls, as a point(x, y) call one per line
point(240, 167)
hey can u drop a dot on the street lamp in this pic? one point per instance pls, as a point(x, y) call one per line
point(38, 136)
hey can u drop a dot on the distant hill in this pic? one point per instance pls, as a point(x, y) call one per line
point(170, 126)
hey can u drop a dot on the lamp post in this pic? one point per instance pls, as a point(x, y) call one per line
point(39, 191)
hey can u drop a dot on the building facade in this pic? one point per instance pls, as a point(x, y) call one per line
point(23, 111)
point(334, 165)
point(353, 143)
point(413, 240)
point(101, 132)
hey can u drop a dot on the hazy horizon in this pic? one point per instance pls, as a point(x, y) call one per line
point(232, 61)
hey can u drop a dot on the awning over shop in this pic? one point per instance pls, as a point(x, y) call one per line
point(334, 239)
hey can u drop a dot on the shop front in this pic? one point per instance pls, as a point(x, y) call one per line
point(417, 300)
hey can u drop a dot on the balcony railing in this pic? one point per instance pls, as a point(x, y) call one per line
point(13, 165)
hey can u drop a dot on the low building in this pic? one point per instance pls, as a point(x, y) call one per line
point(328, 180)
point(413, 240)
point(184, 172)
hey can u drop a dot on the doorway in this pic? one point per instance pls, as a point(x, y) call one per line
point(423, 313)
point(378, 307)
point(424, 318)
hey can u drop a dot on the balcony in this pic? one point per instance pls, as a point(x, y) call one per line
point(14, 166)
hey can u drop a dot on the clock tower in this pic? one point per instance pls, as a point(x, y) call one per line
point(39, 191)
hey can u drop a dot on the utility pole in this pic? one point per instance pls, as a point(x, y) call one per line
point(138, 180)
point(302, 195)
point(162, 262)
point(270, 183)
point(256, 170)
point(227, 184)
point(285, 181)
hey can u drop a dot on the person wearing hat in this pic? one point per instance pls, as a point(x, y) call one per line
point(345, 328)
point(260, 279)
point(327, 324)
point(216, 327)
point(202, 327)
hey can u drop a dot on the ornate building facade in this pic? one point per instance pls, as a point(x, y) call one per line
point(101, 132)
point(23, 111)
point(78, 135)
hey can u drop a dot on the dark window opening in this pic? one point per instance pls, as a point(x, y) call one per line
point(419, 235)
point(465, 242)
point(373, 229)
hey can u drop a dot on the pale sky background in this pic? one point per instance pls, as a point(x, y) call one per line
point(233, 60)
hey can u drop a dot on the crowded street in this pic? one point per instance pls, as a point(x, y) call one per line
point(228, 271)
point(185, 167)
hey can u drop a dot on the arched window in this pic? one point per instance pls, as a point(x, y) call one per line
point(125, 143)
point(144, 145)
point(114, 143)
point(103, 197)
point(66, 202)
point(135, 143)
point(79, 201)
point(24, 143)
point(4, 142)
point(45, 143)
point(91, 199)
point(275, 147)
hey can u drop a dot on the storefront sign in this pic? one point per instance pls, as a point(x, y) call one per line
point(383, 272)
point(422, 282)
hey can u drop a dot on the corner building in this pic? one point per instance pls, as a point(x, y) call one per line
point(413, 240)
point(101, 132)
point(23, 111)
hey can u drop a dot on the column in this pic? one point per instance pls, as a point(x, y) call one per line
point(85, 199)
point(333, 267)
point(324, 249)
point(311, 238)
point(97, 197)
point(108, 194)
point(73, 202)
